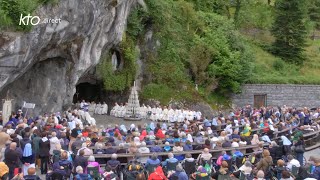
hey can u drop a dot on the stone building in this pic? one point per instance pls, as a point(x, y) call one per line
point(277, 95)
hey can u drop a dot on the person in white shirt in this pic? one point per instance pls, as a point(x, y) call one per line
point(292, 162)
point(53, 142)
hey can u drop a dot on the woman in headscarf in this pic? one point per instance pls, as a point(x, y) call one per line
point(255, 141)
point(132, 127)
point(152, 126)
point(136, 141)
point(189, 138)
point(28, 158)
point(286, 145)
point(123, 128)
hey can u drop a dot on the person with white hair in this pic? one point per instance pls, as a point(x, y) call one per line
point(143, 149)
point(80, 175)
point(179, 173)
point(171, 159)
point(92, 163)
point(113, 162)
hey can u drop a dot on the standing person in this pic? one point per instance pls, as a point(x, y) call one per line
point(35, 145)
point(299, 149)
point(28, 158)
point(44, 146)
point(12, 159)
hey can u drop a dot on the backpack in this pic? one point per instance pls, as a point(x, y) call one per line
point(67, 168)
point(207, 167)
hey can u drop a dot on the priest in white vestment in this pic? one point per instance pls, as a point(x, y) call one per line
point(104, 108)
point(165, 114)
point(114, 109)
point(97, 110)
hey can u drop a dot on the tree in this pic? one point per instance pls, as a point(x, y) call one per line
point(289, 30)
point(314, 15)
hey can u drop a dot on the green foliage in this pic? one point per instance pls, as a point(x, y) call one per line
point(290, 31)
point(119, 80)
point(11, 10)
point(136, 22)
point(157, 91)
point(314, 12)
point(278, 64)
point(205, 43)
point(255, 14)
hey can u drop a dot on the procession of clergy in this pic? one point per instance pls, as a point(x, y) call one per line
point(145, 112)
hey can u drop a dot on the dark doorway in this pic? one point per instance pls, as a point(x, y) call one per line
point(88, 92)
point(260, 100)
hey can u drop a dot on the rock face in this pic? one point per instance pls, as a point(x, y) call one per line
point(44, 65)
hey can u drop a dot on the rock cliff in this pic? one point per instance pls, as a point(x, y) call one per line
point(44, 65)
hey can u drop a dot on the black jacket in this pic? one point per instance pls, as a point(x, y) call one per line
point(44, 148)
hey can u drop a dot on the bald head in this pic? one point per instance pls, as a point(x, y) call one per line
point(31, 171)
point(13, 145)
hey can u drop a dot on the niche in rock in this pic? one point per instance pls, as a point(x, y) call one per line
point(116, 60)
point(88, 92)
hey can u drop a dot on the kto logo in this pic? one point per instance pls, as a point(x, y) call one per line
point(26, 20)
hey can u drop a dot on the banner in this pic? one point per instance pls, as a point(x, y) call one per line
point(6, 111)
point(28, 105)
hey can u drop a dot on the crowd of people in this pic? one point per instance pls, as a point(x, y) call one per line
point(243, 144)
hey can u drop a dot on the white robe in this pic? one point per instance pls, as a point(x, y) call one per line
point(165, 114)
point(97, 110)
point(122, 111)
point(114, 110)
point(153, 116)
point(159, 113)
point(92, 108)
point(90, 119)
point(171, 115)
point(104, 109)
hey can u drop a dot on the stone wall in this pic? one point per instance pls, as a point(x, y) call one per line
point(279, 94)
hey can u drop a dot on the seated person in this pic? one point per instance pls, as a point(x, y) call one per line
point(279, 168)
point(153, 160)
point(292, 162)
point(187, 146)
point(113, 162)
point(204, 156)
point(92, 163)
point(80, 175)
point(260, 175)
point(171, 159)
point(31, 174)
point(179, 173)
point(158, 174)
point(66, 164)
point(224, 170)
point(109, 174)
point(167, 147)
point(110, 149)
point(246, 169)
point(200, 173)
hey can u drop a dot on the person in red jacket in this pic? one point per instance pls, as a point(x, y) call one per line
point(158, 174)
point(160, 134)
